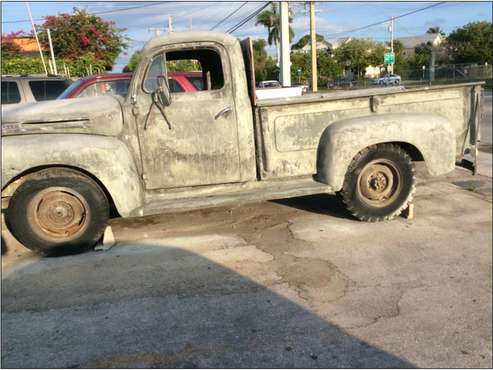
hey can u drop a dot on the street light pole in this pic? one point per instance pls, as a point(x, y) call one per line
point(285, 56)
point(392, 42)
point(55, 71)
point(313, 37)
point(170, 24)
point(36, 36)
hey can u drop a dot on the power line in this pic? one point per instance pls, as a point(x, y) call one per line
point(229, 15)
point(247, 19)
point(384, 21)
point(95, 13)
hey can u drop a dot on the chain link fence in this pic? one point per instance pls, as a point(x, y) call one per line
point(441, 74)
point(450, 73)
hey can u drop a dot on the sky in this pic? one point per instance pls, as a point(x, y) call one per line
point(333, 19)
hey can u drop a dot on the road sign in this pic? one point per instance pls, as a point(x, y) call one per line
point(389, 58)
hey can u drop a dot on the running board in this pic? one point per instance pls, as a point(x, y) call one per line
point(236, 194)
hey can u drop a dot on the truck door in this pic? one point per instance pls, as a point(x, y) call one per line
point(193, 140)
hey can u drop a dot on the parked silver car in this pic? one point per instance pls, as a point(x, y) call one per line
point(24, 89)
point(390, 79)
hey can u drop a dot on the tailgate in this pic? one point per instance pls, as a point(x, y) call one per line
point(469, 153)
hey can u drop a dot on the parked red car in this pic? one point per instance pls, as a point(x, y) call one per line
point(118, 83)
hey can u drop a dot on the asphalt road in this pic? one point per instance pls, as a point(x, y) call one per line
point(294, 283)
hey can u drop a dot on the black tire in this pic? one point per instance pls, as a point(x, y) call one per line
point(379, 183)
point(58, 212)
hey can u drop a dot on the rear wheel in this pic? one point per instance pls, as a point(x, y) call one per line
point(66, 212)
point(379, 183)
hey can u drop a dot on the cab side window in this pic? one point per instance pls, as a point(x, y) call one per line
point(202, 68)
point(188, 70)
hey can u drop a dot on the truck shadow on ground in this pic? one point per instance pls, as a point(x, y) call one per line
point(324, 204)
point(155, 305)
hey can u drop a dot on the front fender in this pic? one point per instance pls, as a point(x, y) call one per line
point(431, 134)
point(106, 158)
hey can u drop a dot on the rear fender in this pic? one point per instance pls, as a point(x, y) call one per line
point(431, 134)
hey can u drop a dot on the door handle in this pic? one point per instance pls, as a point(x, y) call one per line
point(223, 112)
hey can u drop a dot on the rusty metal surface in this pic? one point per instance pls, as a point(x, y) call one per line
point(431, 134)
point(58, 214)
point(101, 115)
point(379, 183)
point(106, 158)
point(435, 122)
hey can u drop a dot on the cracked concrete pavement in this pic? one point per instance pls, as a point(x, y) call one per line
point(291, 283)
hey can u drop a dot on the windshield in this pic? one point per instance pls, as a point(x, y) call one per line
point(65, 94)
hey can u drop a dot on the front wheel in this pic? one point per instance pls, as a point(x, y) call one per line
point(65, 212)
point(379, 183)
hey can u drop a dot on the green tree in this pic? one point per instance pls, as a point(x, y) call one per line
point(472, 43)
point(327, 67)
point(271, 19)
point(259, 58)
point(79, 33)
point(132, 63)
point(422, 54)
point(265, 66)
point(435, 29)
point(22, 64)
point(305, 40)
point(401, 59)
point(358, 54)
point(183, 65)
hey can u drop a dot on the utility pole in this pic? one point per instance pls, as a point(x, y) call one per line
point(313, 37)
point(170, 24)
point(36, 36)
point(55, 71)
point(392, 42)
point(190, 23)
point(285, 52)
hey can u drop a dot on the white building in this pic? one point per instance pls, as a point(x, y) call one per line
point(410, 43)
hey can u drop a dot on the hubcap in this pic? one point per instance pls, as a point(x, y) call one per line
point(58, 214)
point(379, 183)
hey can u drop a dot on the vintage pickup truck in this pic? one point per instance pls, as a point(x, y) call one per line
point(70, 164)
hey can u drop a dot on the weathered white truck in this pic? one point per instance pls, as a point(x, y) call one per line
point(68, 164)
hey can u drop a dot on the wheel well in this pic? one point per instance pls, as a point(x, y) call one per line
point(410, 149)
point(10, 188)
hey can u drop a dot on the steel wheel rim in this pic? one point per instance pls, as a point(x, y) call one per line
point(379, 183)
point(58, 214)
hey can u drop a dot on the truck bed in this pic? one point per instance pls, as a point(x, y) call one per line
point(288, 130)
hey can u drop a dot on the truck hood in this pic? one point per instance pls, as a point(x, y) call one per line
point(100, 115)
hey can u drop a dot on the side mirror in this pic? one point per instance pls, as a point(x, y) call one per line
point(162, 95)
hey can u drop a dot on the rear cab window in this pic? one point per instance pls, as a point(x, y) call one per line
point(174, 86)
point(197, 82)
point(10, 92)
point(47, 89)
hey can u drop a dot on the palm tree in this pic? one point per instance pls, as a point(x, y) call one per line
point(271, 19)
